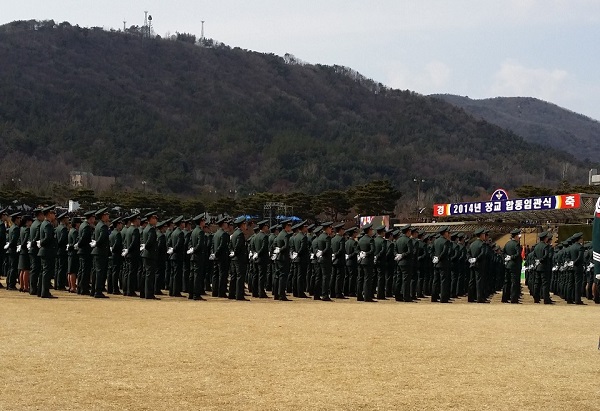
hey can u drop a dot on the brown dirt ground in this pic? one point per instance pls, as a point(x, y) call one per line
point(77, 353)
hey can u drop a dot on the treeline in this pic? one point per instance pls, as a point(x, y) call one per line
point(374, 198)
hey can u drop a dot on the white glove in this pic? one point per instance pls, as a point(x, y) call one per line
point(6, 246)
point(332, 257)
point(76, 247)
point(276, 251)
point(312, 256)
point(597, 276)
point(190, 251)
point(93, 243)
point(255, 256)
point(362, 255)
point(591, 265)
point(19, 248)
point(67, 247)
point(250, 254)
point(212, 257)
point(555, 268)
point(398, 257)
point(38, 243)
point(375, 260)
point(319, 254)
point(170, 250)
point(537, 262)
point(294, 255)
point(435, 259)
point(507, 258)
point(142, 247)
point(29, 245)
point(231, 254)
point(571, 264)
point(110, 249)
point(124, 253)
point(347, 257)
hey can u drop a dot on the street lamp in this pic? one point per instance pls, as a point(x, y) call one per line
point(418, 181)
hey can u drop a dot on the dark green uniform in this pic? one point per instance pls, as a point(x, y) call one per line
point(47, 254)
point(221, 270)
point(476, 283)
point(62, 237)
point(282, 265)
point(338, 250)
point(198, 246)
point(541, 288)
point(85, 258)
point(13, 257)
point(404, 250)
point(302, 247)
point(116, 248)
point(351, 256)
point(263, 259)
point(100, 253)
point(176, 258)
point(132, 245)
point(149, 255)
point(239, 265)
point(325, 264)
point(366, 253)
point(380, 265)
point(441, 270)
point(73, 261)
point(512, 280)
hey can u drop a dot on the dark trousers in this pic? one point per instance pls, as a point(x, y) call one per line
point(389, 278)
point(570, 293)
point(48, 267)
point(13, 271)
point(115, 274)
point(315, 280)
point(130, 276)
point(578, 274)
point(366, 278)
point(381, 269)
point(512, 285)
point(159, 281)
point(338, 274)
point(301, 277)
point(187, 276)
point(197, 280)
point(176, 277)
point(407, 281)
point(280, 280)
point(435, 284)
point(84, 274)
point(61, 273)
point(236, 282)
point(150, 277)
point(326, 269)
point(100, 274)
point(220, 277)
point(270, 274)
point(453, 281)
point(351, 277)
point(260, 280)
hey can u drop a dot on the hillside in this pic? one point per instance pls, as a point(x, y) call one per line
point(538, 122)
point(190, 119)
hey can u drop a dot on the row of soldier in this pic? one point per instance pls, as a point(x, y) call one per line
point(142, 256)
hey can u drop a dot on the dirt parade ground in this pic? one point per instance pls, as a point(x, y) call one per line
point(80, 353)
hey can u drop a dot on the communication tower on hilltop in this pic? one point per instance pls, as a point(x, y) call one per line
point(124, 25)
point(202, 32)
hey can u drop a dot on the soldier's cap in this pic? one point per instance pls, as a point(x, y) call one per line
point(296, 227)
point(326, 224)
point(162, 224)
point(152, 214)
point(460, 234)
point(3, 211)
point(275, 228)
point(116, 221)
point(178, 220)
point(443, 229)
point(144, 220)
point(486, 231)
point(339, 226)
point(89, 214)
point(311, 227)
point(26, 218)
point(380, 228)
point(134, 216)
point(367, 227)
point(199, 218)
point(565, 243)
point(318, 230)
point(405, 228)
point(256, 228)
point(76, 220)
point(239, 221)
point(262, 223)
point(168, 220)
point(479, 231)
point(543, 234)
point(426, 236)
point(49, 209)
point(396, 233)
point(221, 221)
point(516, 231)
point(285, 223)
point(576, 236)
point(587, 244)
point(15, 215)
point(101, 212)
point(351, 230)
point(63, 215)
point(414, 229)
point(453, 235)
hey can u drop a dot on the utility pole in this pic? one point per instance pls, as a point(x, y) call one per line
point(418, 181)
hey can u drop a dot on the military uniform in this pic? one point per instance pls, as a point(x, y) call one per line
point(62, 237)
point(513, 262)
point(338, 250)
point(100, 254)
point(3, 238)
point(47, 253)
point(197, 257)
point(262, 258)
point(403, 256)
point(84, 250)
point(115, 241)
point(282, 262)
point(477, 260)
point(221, 241)
point(302, 248)
point(177, 253)
point(441, 271)
point(351, 256)
point(324, 257)
point(11, 251)
point(366, 253)
point(239, 261)
point(542, 256)
point(131, 252)
point(379, 261)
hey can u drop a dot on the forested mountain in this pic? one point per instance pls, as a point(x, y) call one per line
point(189, 118)
point(537, 122)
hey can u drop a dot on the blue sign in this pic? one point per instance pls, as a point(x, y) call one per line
point(499, 195)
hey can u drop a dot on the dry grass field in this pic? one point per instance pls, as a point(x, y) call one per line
point(78, 353)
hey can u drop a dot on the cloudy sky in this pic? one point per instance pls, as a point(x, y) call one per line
point(475, 48)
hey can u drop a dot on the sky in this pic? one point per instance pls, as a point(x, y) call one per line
point(474, 48)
